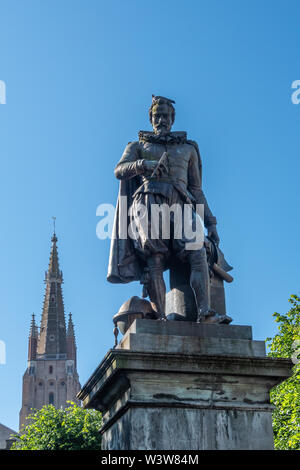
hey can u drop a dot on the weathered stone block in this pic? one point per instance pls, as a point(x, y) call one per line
point(184, 328)
point(192, 345)
point(190, 429)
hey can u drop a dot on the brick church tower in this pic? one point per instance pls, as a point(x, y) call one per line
point(51, 376)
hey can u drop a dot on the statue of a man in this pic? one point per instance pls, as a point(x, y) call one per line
point(162, 167)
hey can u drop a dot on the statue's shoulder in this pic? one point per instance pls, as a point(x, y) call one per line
point(195, 145)
point(132, 145)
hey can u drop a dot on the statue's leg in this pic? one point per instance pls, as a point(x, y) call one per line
point(200, 282)
point(156, 284)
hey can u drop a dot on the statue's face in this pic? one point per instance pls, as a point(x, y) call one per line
point(161, 119)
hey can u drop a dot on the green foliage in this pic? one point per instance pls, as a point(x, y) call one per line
point(72, 428)
point(286, 396)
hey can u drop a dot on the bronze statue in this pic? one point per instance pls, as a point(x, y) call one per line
point(164, 168)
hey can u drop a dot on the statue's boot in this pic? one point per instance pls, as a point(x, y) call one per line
point(200, 283)
point(156, 285)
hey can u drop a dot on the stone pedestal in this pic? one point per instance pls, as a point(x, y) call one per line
point(185, 386)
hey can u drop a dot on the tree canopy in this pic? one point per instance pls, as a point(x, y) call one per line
point(72, 428)
point(286, 396)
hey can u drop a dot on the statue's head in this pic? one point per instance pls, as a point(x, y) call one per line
point(161, 114)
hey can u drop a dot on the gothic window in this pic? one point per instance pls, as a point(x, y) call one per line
point(51, 398)
point(50, 369)
point(63, 383)
point(51, 384)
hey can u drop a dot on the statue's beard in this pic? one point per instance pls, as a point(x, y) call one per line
point(162, 129)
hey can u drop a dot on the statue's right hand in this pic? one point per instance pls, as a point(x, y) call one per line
point(149, 166)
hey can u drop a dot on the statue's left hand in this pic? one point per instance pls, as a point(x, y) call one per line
point(213, 234)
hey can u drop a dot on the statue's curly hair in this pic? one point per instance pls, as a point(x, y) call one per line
point(162, 100)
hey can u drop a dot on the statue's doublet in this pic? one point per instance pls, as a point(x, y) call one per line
point(183, 163)
point(182, 160)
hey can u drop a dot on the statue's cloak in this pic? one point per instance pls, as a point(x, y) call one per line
point(124, 263)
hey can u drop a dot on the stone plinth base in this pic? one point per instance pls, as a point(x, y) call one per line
point(185, 386)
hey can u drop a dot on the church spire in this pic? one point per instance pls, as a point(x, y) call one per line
point(70, 332)
point(51, 375)
point(52, 338)
point(33, 327)
point(33, 338)
point(71, 341)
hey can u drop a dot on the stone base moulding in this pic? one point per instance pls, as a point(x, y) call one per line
point(185, 386)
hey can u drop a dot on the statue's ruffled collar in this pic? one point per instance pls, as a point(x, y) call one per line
point(170, 138)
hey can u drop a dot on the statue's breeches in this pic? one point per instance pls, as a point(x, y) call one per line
point(163, 223)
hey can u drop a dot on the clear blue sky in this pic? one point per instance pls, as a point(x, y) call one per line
point(79, 77)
